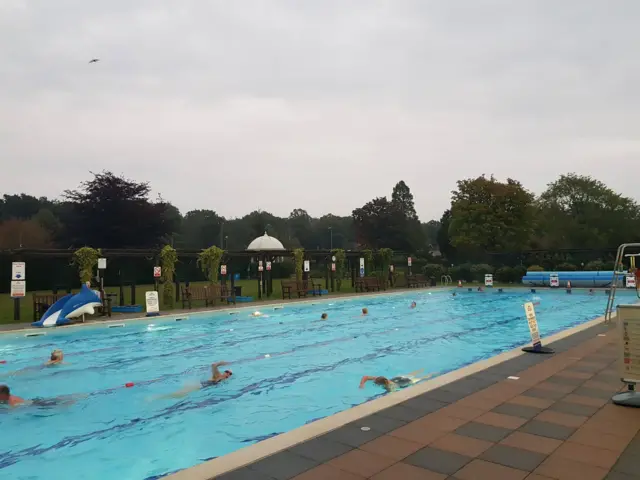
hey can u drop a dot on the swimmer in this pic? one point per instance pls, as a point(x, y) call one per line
point(14, 401)
point(256, 314)
point(216, 378)
point(365, 311)
point(480, 289)
point(591, 291)
point(413, 305)
point(7, 399)
point(57, 358)
point(453, 294)
point(396, 383)
point(323, 316)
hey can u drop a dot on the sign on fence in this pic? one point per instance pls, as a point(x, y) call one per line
point(333, 267)
point(102, 264)
point(18, 271)
point(260, 267)
point(18, 288)
point(631, 281)
point(157, 272)
point(554, 280)
point(268, 266)
point(408, 261)
point(488, 280)
point(306, 265)
point(223, 269)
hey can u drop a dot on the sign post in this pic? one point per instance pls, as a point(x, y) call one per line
point(153, 304)
point(268, 266)
point(157, 273)
point(631, 281)
point(488, 280)
point(102, 265)
point(361, 267)
point(306, 266)
point(409, 264)
point(554, 280)
point(628, 319)
point(223, 269)
point(18, 286)
point(535, 333)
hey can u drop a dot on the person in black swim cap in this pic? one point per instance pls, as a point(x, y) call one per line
point(396, 383)
point(216, 378)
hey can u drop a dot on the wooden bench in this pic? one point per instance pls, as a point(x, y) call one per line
point(415, 281)
point(219, 292)
point(196, 293)
point(41, 303)
point(360, 285)
point(372, 284)
point(293, 286)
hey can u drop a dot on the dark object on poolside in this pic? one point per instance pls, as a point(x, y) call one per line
point(94, 60)
point(540, 349)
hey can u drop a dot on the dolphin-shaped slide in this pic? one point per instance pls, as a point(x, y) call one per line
point(70, 306)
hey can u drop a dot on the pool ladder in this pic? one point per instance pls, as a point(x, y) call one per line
point(616, 276)
point(446, 280)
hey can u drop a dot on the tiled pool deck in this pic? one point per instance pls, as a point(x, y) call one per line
point(556, 421)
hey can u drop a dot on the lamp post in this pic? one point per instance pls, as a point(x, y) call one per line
point(331, 238)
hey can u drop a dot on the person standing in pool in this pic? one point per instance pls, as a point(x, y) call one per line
point(365, 311)
point(396, 383)
point(413, 305)
point(216, 378)
point(57, 357)
point(323, 316)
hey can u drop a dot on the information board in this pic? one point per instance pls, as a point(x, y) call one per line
point(554, 280)
point(628, 319)
point(488, 280)
point(631, 281)
point(18, 288)
point(152, 301)
point(18, 271)
point(533, 324)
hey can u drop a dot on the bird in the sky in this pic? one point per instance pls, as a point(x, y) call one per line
point(94, 60)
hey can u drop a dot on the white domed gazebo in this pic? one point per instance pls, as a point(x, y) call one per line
point(265, 243)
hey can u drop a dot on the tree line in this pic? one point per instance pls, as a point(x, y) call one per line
point(487, 217)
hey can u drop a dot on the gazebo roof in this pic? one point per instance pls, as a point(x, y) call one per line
point(265, 242)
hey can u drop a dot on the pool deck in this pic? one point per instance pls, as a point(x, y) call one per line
point(512, 417)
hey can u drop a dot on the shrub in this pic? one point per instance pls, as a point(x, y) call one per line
point(566, 267)
point(595, 265)
point(535, 268)
point(518, 273)
point(461, 272)
point(480, 270)
point(434, 270)
point(505, 274)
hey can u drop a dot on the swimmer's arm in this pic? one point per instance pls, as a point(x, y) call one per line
point(366, 379)
point(215, 373)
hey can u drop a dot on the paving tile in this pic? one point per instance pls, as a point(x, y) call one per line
point(534, 443)
point(362, 463)
point(324, 472)
point(482, 470)
point(351, 435)
point(597, 457)
point(516, 410)
point(320, 450)
point(556, 387)
point(476, 400)
point(483, 432)
point(283, 465)
point(568, 373)
point(460, 411)
point(560, 418)
point(379, 423)
point(588, 366)
point(619, 414)
point(547, 394)
point(615, 428)
point(424, 404)
point(613, 475)
point(582, 400)
point(595, 438)
point(535, 476)
point(592, 392)
point(532, 401)
point(439, 461)
point(469, 385)
point(610, 387)
point(565, 469)
point(404, 471)
point(438, 421)
point(446, 396)
point(400, 412)
point(627, 463)
point(244, 474)
point(418, 433)
point(503, 391)
point(392, 447)
point(513, 457)
point(470, 447)
point(565, 380)
point(573, 408)
point(545, 429)
point(501, 420)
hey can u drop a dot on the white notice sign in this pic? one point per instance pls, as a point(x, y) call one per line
point(102, 263)
point(408, 261)
point(223, 269)
point(18, 288)
point(152, 301)
point(628, 317)
point(631, 281)
point(533, 324)
point(306, 265)
point(268, 266)
point(488, 280)
point(554, 280)
point(18, 271)
point(157, 272)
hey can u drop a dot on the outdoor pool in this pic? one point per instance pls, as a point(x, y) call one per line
point(312, 370)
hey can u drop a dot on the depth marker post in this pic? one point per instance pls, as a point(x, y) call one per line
point(535, 334)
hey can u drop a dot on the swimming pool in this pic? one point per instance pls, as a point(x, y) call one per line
point(289, 369)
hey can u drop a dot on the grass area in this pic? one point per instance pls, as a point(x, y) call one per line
point(249, 288)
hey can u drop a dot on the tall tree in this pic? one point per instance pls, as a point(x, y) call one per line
point(402, 200)
point(16, 233)
point(488, 215)
point(201, 229)
point(114, 212)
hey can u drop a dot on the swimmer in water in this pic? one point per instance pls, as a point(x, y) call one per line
point(14, 401)
point(323, 316)
point(453, 294)
point(413, 305)
point(216, 378)
point(396, 383)
point(365, 311)
point(7, 399)
point(57, 358)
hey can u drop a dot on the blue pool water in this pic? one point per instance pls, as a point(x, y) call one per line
point(312, 371)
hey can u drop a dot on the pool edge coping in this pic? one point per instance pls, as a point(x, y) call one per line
point(245, 456)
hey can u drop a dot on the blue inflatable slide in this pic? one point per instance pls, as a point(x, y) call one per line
point(70, 306)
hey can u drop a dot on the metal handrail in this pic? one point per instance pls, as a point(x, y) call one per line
point(614, 283)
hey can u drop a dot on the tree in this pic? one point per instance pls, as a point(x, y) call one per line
point(16, 233)
point(580, 212)
point(201, 229)
point(430, 230)
point(299, 226)
point(21, 206)
point(442, 238)
point(110, 211)
point(488, 215)
point(402, 200)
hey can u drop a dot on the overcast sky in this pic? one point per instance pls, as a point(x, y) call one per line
point(317, 104)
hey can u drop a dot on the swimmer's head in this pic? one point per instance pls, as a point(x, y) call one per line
point(382, 381)
point(5, 394)
point(365, 311)
point(453, 294)
point(413, 304)
point(323, 316)
point(57, 356)
point(227, 373)
point(256, 314)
